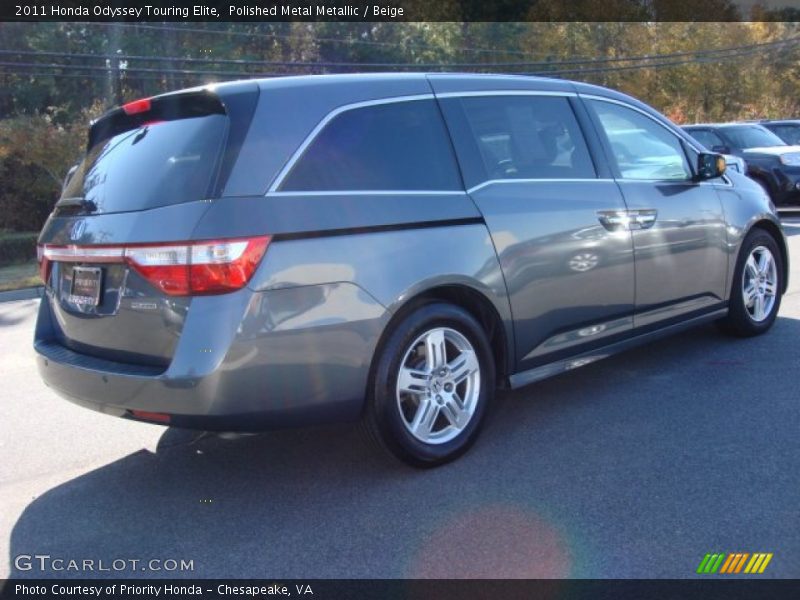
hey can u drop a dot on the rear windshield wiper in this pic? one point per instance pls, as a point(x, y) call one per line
point(80, 203)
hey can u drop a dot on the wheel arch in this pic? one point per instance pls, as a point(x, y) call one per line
point(764, 178)
point(468, 298)
point(775, 231)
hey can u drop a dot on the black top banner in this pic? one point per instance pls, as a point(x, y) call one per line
point(400, 10)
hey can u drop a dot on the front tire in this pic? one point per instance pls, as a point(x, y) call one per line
point(433, 380)
point(757, 286)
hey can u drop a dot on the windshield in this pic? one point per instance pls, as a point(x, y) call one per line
point(157, 164)
point(752, 136)
point(709, 139)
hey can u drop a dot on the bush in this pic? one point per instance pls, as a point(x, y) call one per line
point(35, 154)
point(27, 196)
point(17, 248)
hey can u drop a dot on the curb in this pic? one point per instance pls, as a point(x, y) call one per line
point(23, 294)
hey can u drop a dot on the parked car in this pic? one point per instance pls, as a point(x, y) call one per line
point(389, 248)
point(735, 163)
point(786, 129)
point(732, 163)
point(770, 161)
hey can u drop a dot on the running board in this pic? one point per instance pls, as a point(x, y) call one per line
point(561, 366)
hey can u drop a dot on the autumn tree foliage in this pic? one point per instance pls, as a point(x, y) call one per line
point(55, 77)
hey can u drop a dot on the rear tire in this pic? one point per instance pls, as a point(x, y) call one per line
point(757, 286)
point(433, 380)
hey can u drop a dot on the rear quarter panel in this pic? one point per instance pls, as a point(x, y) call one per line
point(393, 266)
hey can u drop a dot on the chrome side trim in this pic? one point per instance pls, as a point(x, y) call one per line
point(327, 119)
point(560, 366)
point(574, 337)
point(549, 180)
point(650, 317)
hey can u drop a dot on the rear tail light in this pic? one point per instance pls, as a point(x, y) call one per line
point(44, 264)
point(195, 268)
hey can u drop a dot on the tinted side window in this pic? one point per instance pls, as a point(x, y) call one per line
point(527, 137)
point(642, 148)
point(398, 146)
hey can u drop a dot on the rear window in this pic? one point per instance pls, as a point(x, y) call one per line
point(398, 146)
point(157, 164)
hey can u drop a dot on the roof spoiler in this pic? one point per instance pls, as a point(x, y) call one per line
point(169, 107)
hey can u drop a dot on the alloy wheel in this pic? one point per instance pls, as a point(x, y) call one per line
point(438, 385)
point(760, 283)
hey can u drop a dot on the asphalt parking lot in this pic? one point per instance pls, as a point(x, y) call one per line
point(636, 466)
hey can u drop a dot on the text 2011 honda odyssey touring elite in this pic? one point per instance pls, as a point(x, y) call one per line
point(387, 247)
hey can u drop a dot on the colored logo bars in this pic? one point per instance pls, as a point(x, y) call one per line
point(734, 563)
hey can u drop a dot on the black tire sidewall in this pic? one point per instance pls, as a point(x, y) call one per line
point(383, 409)
point(739, 317)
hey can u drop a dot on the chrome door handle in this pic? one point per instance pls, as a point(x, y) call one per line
point(614, 220)
point(627, 220)
point(643, 218)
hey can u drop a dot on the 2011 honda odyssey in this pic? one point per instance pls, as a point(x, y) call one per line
point(392, 248)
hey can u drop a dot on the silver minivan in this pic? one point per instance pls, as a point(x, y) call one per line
point(390, 248)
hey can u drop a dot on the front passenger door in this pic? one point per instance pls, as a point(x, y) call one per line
point(678, 225)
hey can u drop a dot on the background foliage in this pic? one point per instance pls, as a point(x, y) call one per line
point(55, 77)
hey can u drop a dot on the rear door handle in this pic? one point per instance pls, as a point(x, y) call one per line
point(614, 220)
point(643, 218)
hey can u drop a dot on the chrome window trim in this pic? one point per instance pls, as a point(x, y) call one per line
point(369, 193)
point(489, 182)
point(327, 119)
point(474, 94)
point(274, 191)
point(707, 182)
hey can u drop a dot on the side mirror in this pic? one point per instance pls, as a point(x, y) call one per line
point(710, 165)
point(721, 149)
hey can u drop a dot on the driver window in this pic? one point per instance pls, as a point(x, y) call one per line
point(642, 148)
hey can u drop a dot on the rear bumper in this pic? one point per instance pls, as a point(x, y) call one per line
point(247, 361)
